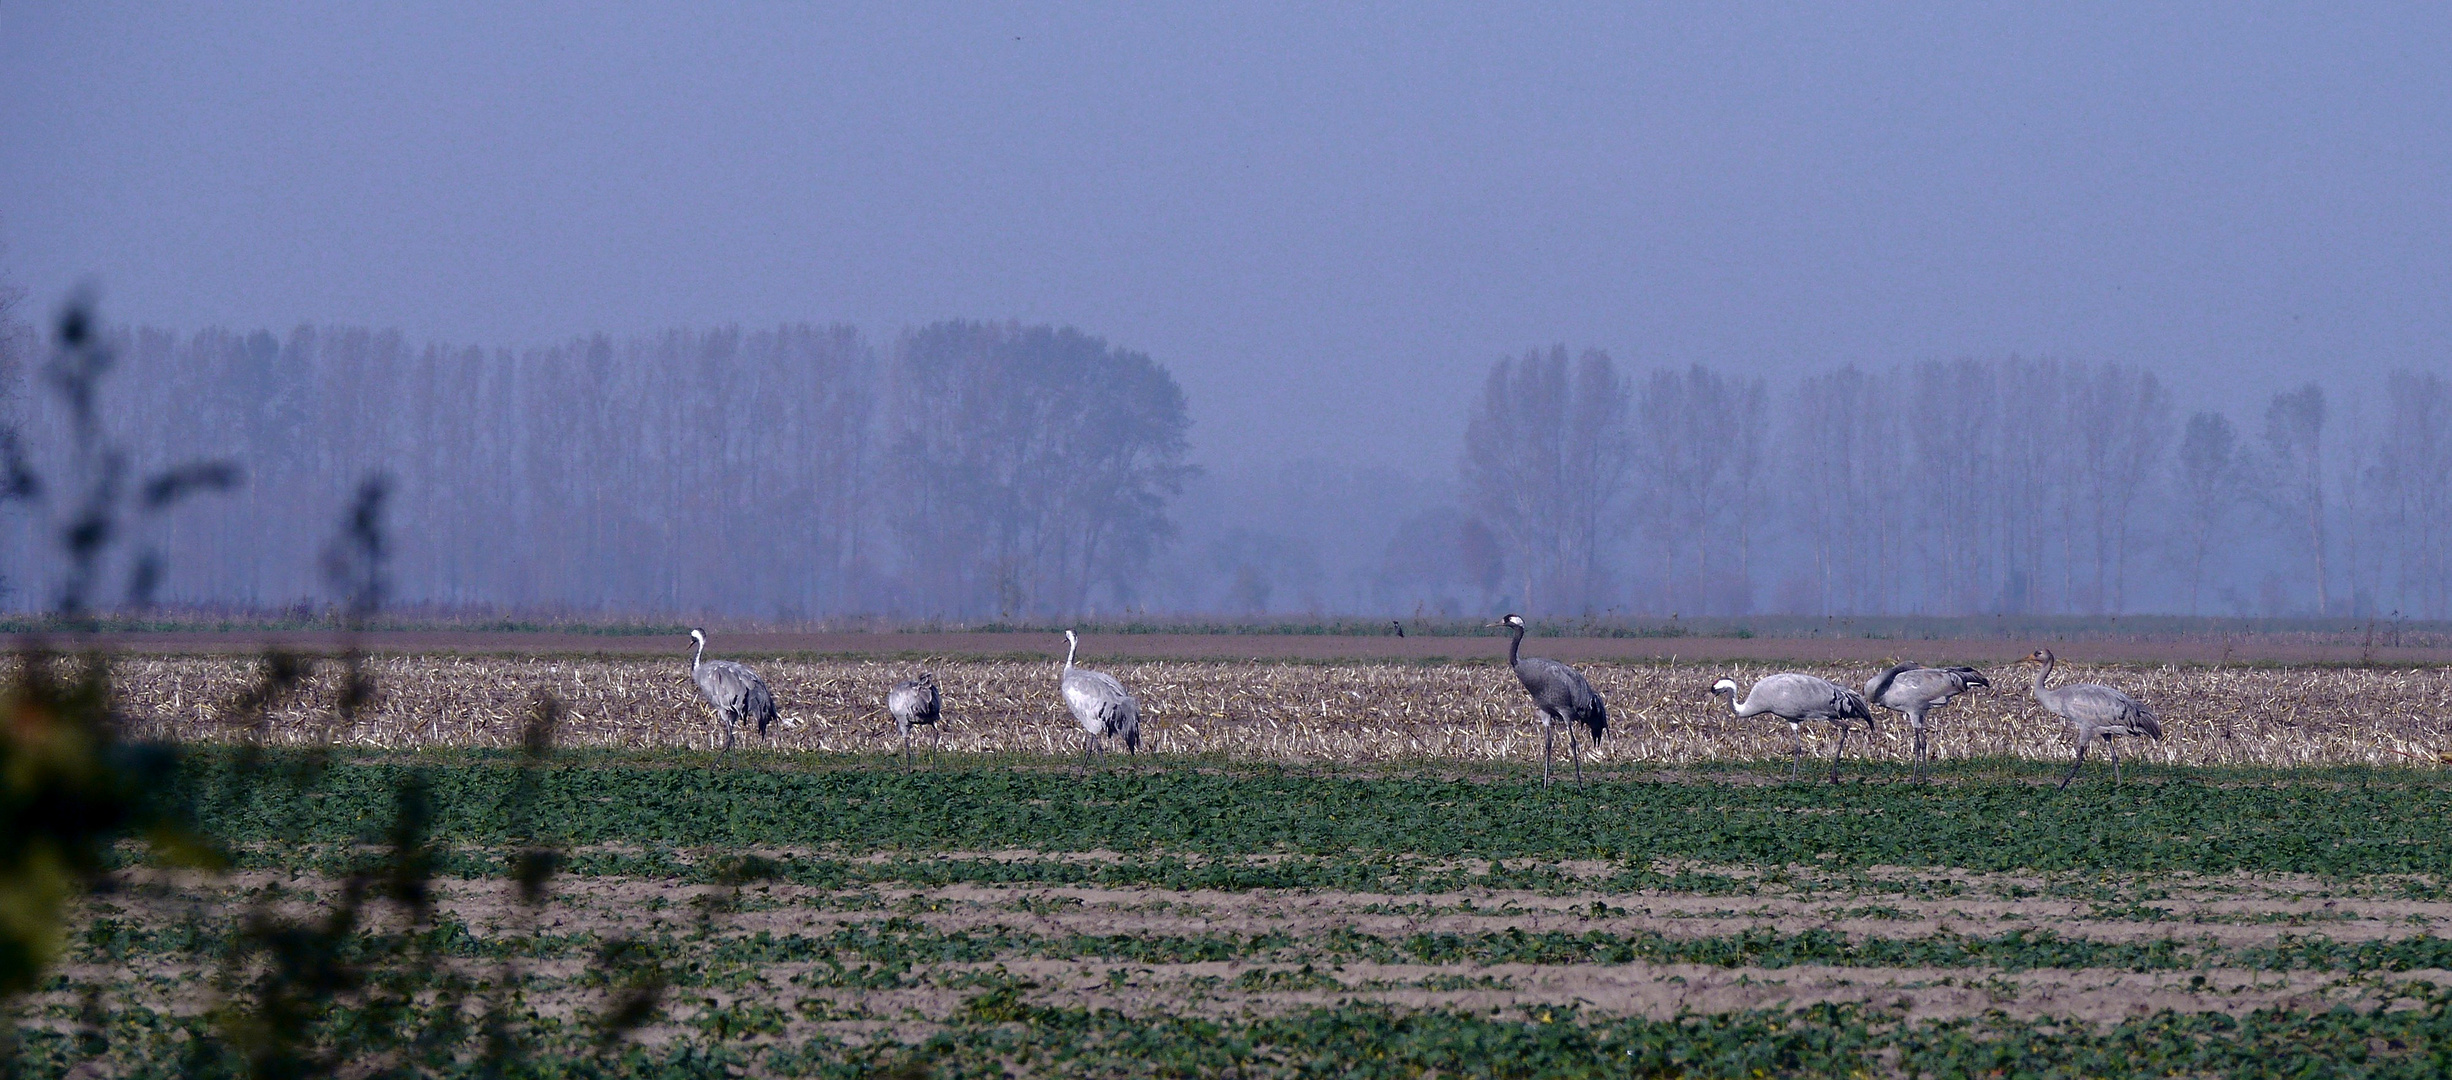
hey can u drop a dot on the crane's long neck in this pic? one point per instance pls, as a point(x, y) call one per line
point(1070, 644)
point(694, 656)
point(2042, 673)
point(1737, 705)
point(1515, 645)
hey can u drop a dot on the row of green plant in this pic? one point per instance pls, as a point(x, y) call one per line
point(901, 950)
point(2162, 827)
point(1000, 1032)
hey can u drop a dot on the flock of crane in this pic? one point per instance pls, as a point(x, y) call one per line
point(1565, 699)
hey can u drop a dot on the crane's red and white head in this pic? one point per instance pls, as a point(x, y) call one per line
point(1510, 620)
point(698, 635)
point(2039, 656)
point(1725, 686)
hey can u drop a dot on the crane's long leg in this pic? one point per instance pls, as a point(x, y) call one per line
point(1575, 750)
point(2081, 759)
point(936, 742)
point(1916, 774)
point(1835, 754)
point(727, 731)
point(1549, 744)
point(1796, 760)
point(906, 748)
point(2112, 747)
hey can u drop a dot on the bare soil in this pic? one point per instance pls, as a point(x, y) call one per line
point(2232, 913)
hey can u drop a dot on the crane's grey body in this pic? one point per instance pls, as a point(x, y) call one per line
point(736, 692)
point(1911, 690)
point(916, 703)
point(1800, 699)
point(1100, 703)
point(1563, 697)
point(2093, 711)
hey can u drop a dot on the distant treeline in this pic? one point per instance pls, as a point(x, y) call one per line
point(794, 472)
point(999, 471)
point(2010, 486)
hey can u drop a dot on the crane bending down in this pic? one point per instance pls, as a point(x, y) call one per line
point(2093, 711)
point(1911, 689)
point(737, 693)
point(1563, 697)
point(1100, 703)
point(915, 703)
point(1799, 699)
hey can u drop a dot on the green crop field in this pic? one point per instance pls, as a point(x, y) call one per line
point(826, 914)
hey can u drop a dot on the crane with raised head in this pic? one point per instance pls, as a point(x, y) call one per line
point(1562, 695)
point(1100, 703)
point(2093, 711)
point(1801, 699)
point(1912, 690)
point(736, 692)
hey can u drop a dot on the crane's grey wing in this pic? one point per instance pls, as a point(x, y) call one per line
point(1968, 676)
point(722, 684)
point(1926, 686)
point(1102, 705)
point(1877, 688)
point(751, 698)
point(2102, 705)
point(912, 702)
point(1562, 691)
point(1805, 697)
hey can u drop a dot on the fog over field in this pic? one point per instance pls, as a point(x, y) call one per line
point(979, 313)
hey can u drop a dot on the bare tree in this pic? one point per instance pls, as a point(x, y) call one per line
point(2412, 475)
point(2210, 486)
point(2294, 436)
point(2125, 430)
point(1035, 466)
point(1545, 464)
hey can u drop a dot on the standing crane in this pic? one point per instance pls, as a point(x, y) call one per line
point(1799, 699)
point(915, 703)
point(1100, 703)
point(737, 693)
point(2093, 711)
point(1911, 689)
point(1563, 697)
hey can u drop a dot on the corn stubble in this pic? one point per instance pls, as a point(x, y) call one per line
point(1301, 713)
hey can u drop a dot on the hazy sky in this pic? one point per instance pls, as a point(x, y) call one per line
point(1298, 209)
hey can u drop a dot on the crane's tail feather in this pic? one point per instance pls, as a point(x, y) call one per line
point(1970, 676)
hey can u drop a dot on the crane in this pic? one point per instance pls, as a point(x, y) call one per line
point(1561, 694)
point(915, 703)
point(1099, 702)
point(736, 692)
point(2093, 711)
point(1911, 690)
point(1799, 699)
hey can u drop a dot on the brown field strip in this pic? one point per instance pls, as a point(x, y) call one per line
point(1837, 649)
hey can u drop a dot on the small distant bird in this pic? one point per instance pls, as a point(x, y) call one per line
point(737, 693)
point(1561, 694)
point(1100, 703)
point(1400, 627)
point(2093, 711)
point(1911, 689)
point(1799, 699)
point(914, 703)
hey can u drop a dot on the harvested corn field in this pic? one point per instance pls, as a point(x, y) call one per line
point(1305, 713)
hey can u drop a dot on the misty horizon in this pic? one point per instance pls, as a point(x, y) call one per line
point(1324, 228)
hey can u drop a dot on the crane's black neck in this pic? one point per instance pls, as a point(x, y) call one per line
point(1515, 644)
